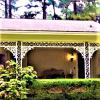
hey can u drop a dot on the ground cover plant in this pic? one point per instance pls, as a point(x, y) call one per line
point(18, 83)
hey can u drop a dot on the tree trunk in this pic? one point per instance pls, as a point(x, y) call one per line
point(53, 4)
point(10, 9)
point(6, 13)
point(75, 7)
point(44, 9)
point(66, 16)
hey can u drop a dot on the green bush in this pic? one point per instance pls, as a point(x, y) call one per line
point(48, 96)
point(83, 96)
point(15, 81)
point(48, 83)
point(28, 74)
point(65, 89)
point(13, 90)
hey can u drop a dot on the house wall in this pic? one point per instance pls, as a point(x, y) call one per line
point(7, 54)
point(95, 65)
point(50, 36)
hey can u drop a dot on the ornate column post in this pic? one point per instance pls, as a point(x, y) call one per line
point(19, 62)
point(87, 60)
point(25, 47)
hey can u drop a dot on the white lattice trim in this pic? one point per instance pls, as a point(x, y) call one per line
point(12, 49)
point(92, 50)
point(24, 50)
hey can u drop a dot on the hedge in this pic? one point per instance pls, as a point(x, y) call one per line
point(65, 89)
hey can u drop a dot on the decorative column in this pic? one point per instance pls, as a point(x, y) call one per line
point(24, 50)
point(87, 60)
point(19, 60)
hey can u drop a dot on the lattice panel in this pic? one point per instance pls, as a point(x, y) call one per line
point(10, 46)
point(26, 46)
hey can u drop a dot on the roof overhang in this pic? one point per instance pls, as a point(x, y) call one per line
point(48, 25)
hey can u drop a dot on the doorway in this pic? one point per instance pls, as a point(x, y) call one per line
point(81, 71)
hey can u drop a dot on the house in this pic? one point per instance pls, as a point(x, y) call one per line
point(66, 47)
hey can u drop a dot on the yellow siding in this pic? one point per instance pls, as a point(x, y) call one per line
point(50, 36)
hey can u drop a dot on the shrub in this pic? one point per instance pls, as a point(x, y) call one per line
point(66, 89)
point(13, 89)
point(14, 81)
point(28, 74)
point(47, 96)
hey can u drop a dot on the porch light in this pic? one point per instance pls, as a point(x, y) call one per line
point(71, 57)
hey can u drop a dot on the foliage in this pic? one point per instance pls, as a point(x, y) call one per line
point(30, 14)
point(13, 89)
point(8, 6)
point(89, 13)
point(14, 81)
point(47, 96)
point(62, 5)
point(90, 10)
point(47, 83)
point(82, 17)
point(28, 74)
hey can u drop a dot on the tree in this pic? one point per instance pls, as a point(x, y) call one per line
point(53, 3)
point(44, 9)
point(64, 4)
point(10, 9)
point(3, 6)
point(75, 6)
point(6, 12)
point(9, 5)
point(45, 4)
point(31, 13)
point(90, 10)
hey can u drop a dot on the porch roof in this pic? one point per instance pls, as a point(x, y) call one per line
point(48, 25)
